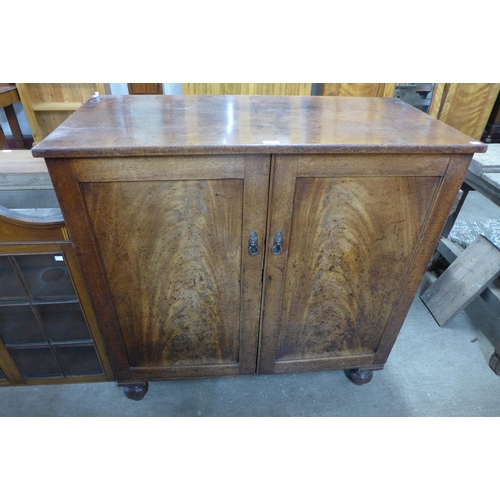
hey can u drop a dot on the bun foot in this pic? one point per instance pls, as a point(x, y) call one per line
point(135, 391)
point(359, 377)
point(495, 363)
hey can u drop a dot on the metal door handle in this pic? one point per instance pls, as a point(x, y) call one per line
point(253, 244)
point(278, 243)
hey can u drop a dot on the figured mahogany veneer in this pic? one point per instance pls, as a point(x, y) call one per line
point(160, 195)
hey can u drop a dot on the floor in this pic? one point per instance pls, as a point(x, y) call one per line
point(432, 371)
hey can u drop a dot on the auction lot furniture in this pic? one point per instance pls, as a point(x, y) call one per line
point(227, 235)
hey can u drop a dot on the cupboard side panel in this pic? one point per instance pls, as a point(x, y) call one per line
point(65, 180)
point(433, 227)
point(171, 251)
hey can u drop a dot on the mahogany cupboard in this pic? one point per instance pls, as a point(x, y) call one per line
point(226, 235)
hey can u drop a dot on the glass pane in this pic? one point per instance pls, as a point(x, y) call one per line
point(64, 322)
point(10, 286)
point(46, 276)
point(2, 375)
point(36, 362)
point(79, 360)
point(18, 324)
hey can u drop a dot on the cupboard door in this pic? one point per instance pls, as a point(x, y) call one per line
point(350, 231)
point(172, 237)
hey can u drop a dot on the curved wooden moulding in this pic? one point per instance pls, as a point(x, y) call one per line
point(31, 225)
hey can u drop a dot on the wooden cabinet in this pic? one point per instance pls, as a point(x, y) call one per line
point(226, 235)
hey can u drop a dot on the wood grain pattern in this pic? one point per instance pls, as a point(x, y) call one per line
point(436, 220)
point(161, 168)
point(255, 198)
point(465, 106)
point(216, 124)
point(377, 218)
point(369, 164)
point(437, 98)
point(174, 279)
point(16, 227)
point(247, 88)
point(346, 234)
point(47, 105)
point(359, 89)
point(145, 88)
point(327, 209)
point(350, 243)
point(73, 207)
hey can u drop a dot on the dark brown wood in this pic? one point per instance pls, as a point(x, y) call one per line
point(360, 377)
point(145, 88)
point(199, 257)
point(211, 285)
point(348, 242)
point(159, 125)
point(427, 243)
point(135, 391)
point(161, 193)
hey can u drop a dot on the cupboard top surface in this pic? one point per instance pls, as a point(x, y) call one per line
point(159, 125)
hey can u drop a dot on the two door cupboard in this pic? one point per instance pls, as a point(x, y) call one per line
point(234, 235)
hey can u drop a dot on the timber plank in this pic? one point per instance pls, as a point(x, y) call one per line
point(463, 281)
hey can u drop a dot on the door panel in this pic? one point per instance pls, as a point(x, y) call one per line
point(175, 279)
point(350, 242)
